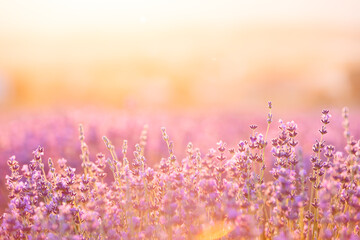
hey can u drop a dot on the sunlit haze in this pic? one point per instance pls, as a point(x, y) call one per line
point(179, 53)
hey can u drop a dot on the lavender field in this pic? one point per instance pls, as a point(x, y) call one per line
point(179, 120)
point(221, 177)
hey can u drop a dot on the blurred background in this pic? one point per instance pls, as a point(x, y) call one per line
point(159, 54)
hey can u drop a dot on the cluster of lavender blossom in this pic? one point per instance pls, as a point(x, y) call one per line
point(222, 194)
point(56, 131)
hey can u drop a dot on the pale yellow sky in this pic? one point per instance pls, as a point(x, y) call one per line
point(49, 16)
point(85, 49)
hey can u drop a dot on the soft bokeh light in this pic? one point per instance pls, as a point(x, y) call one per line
point(223, 54)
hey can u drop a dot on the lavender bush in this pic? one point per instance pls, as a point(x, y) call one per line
point(225, 193)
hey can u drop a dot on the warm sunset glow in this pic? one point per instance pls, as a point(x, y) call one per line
point(217, 231)
point(115, 52)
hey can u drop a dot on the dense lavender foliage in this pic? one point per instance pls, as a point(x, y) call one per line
point(219, 194)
